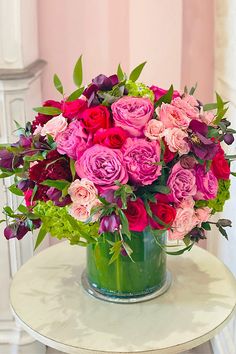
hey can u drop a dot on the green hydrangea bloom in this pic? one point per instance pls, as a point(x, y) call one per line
point(138, 89)
point(217, 204)
point(60, 224)
point(223, 194)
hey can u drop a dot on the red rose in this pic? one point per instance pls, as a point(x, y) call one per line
point(168, 155)
point(165, 212)
point(220, 166)
point(95, 118)
point(136, 215)
point(72, 109)
point(42, 119)
point(113, 137)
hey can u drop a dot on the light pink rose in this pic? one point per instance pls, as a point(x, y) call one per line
point(38, 130)
point(79, 212)
point(172, 116)
point(207, 117)
point(141, 158)
point(132, 113)
point(103, 166)
point(175, 139)
point(203, 214)
point(190, 99)
point(83, 191)
point(186, 107)
point(153, 129)
point(187, 203)
point(72, 140)
point(182, 183)
point(96, 215)
point(184, 222)
point(207, 184)
point(54, 126)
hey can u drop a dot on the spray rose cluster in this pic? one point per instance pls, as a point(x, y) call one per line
point(119, 153)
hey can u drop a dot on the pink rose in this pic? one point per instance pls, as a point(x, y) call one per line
point(54, 126)
point(159, 92)
point(182, 183)
point(72, 140)
point(207, 117)
point(203, 214)
point(141, 158)
point(83, 191)
point(103, 166)
point(190, 99)
point(185, 105)
point(79, 212)
point(132, 113)
point(187, 203)
point(184, 222)
point(207, 184)
point(176, 140)
point(153, 129)
point(172, 116)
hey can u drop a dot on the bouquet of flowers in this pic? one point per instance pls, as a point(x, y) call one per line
point(119, 157)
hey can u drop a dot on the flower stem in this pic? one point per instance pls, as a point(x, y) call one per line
point(118, 275)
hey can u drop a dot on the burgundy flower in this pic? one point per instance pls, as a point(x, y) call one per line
point(8, 160)
point(16, 230)
point(203, 147)
point(109, 223)
point(56, 196)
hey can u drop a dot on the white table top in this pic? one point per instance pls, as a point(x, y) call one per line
point(48, 301)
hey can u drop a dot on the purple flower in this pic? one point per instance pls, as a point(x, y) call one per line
point(203, 147)
point(25, 184)
point(228, 138)
point(16, 230)
point(109, 223)
point(6, 159)
point(56, 196)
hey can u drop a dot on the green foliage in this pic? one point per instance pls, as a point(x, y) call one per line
point(50, 111)
point(58, 184)
point(124, 192)
point(60, 224)
point(138, 89)
point(167, 98)
point(76, 94)
point(120, 73)
point(13, 189)
point(193, 89)
point(58, 84)
point(78, 72)
point(221, 111)
point(115, 250)
point(135, 73)
point(223, 194)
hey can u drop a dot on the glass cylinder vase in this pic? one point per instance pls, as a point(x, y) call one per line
point(127, 280)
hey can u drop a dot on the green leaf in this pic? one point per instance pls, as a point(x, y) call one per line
point(72, 168)
point(76, 94)
point(206, 226)
point(223, 232)
point(13, 189)
point(124, 223)
point(120, 73)
point(115, 251)
point(8, 210)
point(167, 98)
point(209, 106)
point(193, 89)
point(41, 235)
point(78, 72)
point(23, 209)
point(135, 73)
point(58, 184)
point(6, 174)
point(50, 111)
point(58, 84)
point(179, 252)
point(159, 189)
point(233, 174)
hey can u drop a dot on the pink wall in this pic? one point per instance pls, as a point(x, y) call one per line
point(175, 37)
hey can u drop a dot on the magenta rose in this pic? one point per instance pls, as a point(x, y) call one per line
point(207, 184)
point(182, 183)
point(141, 158)
point(103, 166)
point(132, 114)
point(73, 109)
point(159, 92)
point(72, 141)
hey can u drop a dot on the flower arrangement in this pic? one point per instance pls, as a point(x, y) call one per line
point(119, 157)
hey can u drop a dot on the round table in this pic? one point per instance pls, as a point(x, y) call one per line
point(48, 301)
